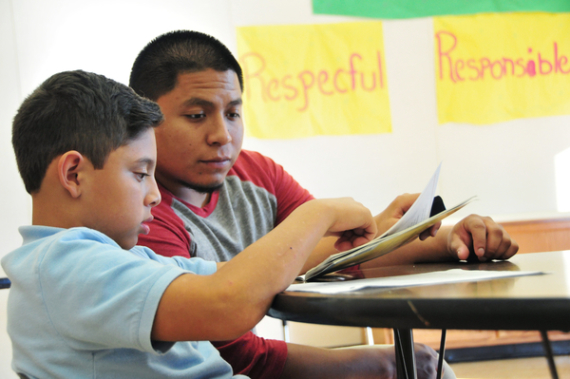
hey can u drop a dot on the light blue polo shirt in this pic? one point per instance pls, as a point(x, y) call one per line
point(82, 307)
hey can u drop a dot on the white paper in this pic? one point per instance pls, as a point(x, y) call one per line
point(421, 208)
point(430, 278)
point(419, 212)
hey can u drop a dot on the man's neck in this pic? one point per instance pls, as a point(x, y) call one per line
point(191, 196)
point(197, 199)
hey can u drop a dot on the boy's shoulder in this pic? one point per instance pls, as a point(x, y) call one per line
point(45, 245)
point(39, 237)
point(50, 245)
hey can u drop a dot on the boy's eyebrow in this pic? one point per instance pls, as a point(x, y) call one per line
point(145, 162)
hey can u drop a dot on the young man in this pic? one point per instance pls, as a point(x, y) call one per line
point(218, 199)
point(86, 302)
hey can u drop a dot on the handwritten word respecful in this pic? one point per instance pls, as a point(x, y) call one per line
point(496, 68)
point(293, 86)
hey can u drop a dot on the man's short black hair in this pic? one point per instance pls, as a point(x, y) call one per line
point(158, 65)
point(81, 111)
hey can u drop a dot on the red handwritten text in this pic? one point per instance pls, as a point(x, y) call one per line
point(293, 86)
point(480, 68)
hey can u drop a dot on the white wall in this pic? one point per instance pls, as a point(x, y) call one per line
point(40, 38)
point(510, 166)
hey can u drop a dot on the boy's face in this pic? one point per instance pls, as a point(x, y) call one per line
point(122, 193)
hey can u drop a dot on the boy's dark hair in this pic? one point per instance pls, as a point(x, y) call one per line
point(157, 66)
point(81, 111)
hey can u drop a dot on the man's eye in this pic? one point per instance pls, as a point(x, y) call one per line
point(233, 115)
point(195, 116)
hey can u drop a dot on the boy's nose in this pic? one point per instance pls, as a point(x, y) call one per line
point(153, 198)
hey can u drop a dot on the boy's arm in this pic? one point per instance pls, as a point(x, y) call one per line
point(384, 221)
point(230, 302)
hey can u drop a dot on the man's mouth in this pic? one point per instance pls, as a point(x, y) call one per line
point(217, 162)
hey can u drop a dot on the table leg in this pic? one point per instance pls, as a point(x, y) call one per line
point(549, 355)
point(441, 354)
point(405, 357)
point(286, 337)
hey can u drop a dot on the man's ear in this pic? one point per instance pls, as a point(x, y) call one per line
point(69, 166)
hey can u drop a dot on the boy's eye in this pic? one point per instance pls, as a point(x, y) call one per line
point(141, 175)
point(233, 115)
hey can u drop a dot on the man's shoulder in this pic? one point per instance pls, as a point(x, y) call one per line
point(250, 158)
point(255, 167)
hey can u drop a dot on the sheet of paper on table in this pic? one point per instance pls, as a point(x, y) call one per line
point(430, 278)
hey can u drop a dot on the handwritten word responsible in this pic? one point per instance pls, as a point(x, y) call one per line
point(493, 68)
point(534, 62)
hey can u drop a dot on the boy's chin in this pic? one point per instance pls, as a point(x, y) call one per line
point(128, 245)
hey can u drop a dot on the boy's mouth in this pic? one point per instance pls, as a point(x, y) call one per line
point(144, 225)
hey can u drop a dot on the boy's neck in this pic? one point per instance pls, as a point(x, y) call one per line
point(51, 206)
point(50, 214)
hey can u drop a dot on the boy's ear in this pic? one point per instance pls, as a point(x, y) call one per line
point(68, 168)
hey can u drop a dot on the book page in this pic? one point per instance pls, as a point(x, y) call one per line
point(410, 226)
point(419, 211)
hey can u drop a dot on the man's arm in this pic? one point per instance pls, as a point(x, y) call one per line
point(230, 302)
point(473, 234)
point(362, 362)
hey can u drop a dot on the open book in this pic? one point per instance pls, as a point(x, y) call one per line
point(415, 221)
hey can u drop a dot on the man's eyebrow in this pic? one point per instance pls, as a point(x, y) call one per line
point(235, 102)
point(197, 101)
point(205, 103)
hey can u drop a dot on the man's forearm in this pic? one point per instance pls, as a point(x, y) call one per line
point(432, 249)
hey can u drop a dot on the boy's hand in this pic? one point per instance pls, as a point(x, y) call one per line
point(351, 221)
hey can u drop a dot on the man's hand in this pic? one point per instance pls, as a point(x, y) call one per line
point(394, 212)
point(480, 236)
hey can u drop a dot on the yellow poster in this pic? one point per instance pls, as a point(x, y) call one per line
point(499, 67)
point(311, 80)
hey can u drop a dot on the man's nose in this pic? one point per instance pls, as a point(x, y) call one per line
point(219, 132)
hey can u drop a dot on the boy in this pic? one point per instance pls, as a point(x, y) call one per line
point(85, 301)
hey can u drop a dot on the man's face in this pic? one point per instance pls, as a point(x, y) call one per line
point(201, 136)
point(122, 193)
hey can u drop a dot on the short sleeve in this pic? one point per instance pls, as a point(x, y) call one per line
point(99, 296)
point(196, 265)
point(266, 173)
